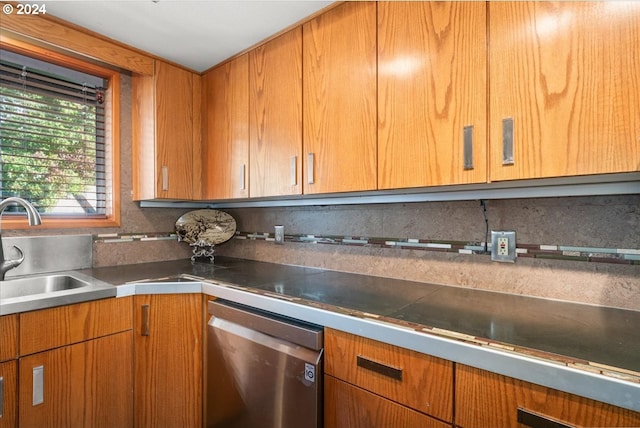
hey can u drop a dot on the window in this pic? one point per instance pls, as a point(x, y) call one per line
point(56, 148)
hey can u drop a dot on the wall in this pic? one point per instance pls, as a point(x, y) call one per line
point(596, 273)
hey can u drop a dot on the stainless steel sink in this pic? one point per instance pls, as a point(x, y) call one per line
point(39, 285)
point(48, 290)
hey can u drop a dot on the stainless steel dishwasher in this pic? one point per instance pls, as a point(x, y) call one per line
point(263, 370)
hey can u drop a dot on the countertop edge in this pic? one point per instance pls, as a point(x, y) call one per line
point(558, 376)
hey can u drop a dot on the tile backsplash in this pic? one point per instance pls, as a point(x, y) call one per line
point(584, 249)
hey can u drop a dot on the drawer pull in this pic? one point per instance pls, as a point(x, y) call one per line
point(536, 420)
point(392, 372)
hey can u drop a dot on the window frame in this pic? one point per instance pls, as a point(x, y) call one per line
point(112, 138)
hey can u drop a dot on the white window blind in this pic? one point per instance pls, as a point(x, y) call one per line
point(52, 137)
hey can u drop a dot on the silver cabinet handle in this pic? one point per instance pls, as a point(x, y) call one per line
point(244, 177)
point(507, 141)
point(165, 178)
point(38, 386)
point(311, 166)
point(294, 168)
point(467, 137)
point(1, 395)
point(145, 320)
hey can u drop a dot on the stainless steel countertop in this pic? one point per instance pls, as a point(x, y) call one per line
point(560, 334)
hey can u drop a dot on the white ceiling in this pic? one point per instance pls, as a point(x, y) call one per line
point(194, 33)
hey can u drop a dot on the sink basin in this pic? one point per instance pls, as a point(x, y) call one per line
point(35, 292)
point(39, 285)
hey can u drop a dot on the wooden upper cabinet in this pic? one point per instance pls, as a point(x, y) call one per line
point(275, 98)
point(226, 130)
point(568, 75)
point(166, 133)
point(431, 86)
point(339, 99)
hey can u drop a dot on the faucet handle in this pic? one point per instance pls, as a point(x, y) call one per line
point(6, 265)
point(20, 259)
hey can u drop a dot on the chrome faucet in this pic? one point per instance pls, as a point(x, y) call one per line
point(34, 220)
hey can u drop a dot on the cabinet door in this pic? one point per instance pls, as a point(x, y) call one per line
point(169, 333)
point(275, 94)
point(165, 138)
point(416, 380)
point(8, 394)
point(88, 384)
point(347, 406)
point(174, 132)
point(8, 337)
point(485, 399)
point(226, 135)
point(339, 99)
point(566, 74)
point(431, 93)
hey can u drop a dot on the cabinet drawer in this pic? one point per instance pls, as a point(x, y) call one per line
point(485, 399)
point(64, 325)
point(8, 337)
point(419, 381)
point(347, 406)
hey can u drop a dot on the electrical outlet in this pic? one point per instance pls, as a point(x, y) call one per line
point(279, 234)
point(503, 246)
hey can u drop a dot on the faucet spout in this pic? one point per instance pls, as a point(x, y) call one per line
point(32, 214)
point(34, 220)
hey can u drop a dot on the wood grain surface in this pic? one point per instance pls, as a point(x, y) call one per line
point(64, 325)
point(426, 385)
point(431, 84)
point(339, 99)
point(86, 385)
point(347, 406)
point(568, 74)
point(226, 135)
point(168, 362)
point(8, 337)
point(485, 399)
point(275, 94)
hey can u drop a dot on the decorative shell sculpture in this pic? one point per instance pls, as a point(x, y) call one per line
point(203, 229)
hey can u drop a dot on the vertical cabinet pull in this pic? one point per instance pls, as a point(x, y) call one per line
point(38, 386)
point(507, 141)
point(294, 168)
point(311, 166)
point(145, 320)
point(243, 179)
point(165, 178)
point(1, 395)
point(536, 420)
point(467, 137)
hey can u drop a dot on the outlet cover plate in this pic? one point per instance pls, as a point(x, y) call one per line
point(503, 246)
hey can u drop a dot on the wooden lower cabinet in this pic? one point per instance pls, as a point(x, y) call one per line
point(8, 395)
point(347, 406)
point(485, 399)
point(169, 331)
point(415, 380)
point(88, 384)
